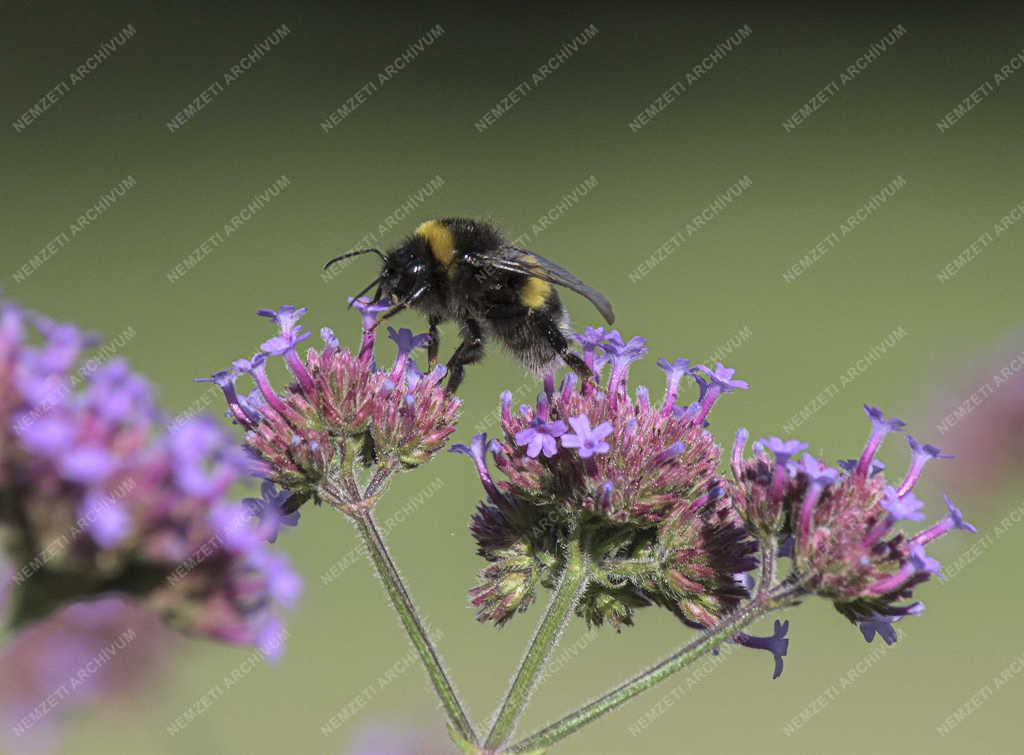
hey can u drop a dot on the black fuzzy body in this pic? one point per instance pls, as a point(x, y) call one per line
point(451, 272)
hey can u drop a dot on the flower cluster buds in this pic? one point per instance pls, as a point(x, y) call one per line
point(633, 480)
point(842, 526)
point(341, 413)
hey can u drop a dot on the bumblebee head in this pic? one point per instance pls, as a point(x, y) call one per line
point(405, 269)
point(357, 253)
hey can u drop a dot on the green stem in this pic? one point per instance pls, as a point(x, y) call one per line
point(571, 585)
point(632, 568)
point(413, 626)
point(729, 626)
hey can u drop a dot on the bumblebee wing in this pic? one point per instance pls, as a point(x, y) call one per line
point(516, 260)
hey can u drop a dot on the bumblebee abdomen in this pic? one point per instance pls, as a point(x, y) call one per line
point(524, 335)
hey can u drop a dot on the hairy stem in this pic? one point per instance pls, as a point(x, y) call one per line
point(759, 606)
point(381, 476)
point(571, 585)
point(413, 625)
point(769, 559)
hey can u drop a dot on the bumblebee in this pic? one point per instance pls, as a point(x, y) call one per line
point(462, 270)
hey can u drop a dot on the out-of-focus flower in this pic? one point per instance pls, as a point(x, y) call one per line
point(107, 650)
point(341, 410)
point(981, 420)
point(96, 497)
point(844, 526)
point(635, 482)
point(6, 583)
point(269, 511)
point(398, 738)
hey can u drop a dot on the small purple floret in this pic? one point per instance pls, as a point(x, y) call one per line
point(268, 510)
point(287, 318)
point(541, 437)
point(369, 308)
point(907, 507)
point(850, 465)
point(477, 451)
point(880, 625)
point(783, 450)
point(956, 518)
point(879, 421)
point(777, 644)
point(106, 520)
point(922, 454)
point(880, 427)
point(406, 341)
point(922, 562)
point(721, 376)
point(587, 440)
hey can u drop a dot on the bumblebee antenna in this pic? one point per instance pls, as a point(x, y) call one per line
point(372, 284)
point(341, 257)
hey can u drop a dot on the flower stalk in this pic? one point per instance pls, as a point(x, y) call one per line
point(763, 604)
point(769, 561)
point(563, 600)
point(399, 596)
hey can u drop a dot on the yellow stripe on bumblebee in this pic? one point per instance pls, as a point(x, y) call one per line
point(442, 243)
point(534, 293)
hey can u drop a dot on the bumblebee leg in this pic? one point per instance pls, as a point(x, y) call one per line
point(399, 307)
point(435, 342)
point(390, 313)
point(470, 351)
point(554, 336)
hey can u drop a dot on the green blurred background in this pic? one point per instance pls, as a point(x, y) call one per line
point(724, 285)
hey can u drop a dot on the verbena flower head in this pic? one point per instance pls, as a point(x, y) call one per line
point(634, 480)
point(97, 496)
point(845, 524)
point(341, 410)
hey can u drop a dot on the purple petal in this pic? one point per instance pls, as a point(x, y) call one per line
point(880, 422)
point(922, 561)
point(783, 450)
point(777, 644)
point(957, 519)
point(87, 464)
point(927, 450)
point(106, 520)
point(722, 377)
point(907, 507)
point(49, 436)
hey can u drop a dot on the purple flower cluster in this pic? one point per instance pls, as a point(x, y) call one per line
point(842, 525)
point(341, 411)
point(98, 497)
point(635, 481)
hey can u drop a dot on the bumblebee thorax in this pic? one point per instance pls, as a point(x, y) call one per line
point(440, 239)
